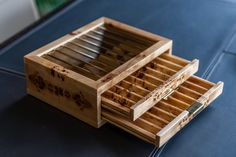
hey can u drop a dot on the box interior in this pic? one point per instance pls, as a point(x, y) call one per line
point(99, 51)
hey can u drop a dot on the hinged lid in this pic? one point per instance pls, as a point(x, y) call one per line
point(103, 52)
point(140, 91)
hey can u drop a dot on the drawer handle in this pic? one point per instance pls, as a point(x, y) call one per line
point(195, 109)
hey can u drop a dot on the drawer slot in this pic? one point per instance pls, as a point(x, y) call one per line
point(141, 90)
point(167, 117)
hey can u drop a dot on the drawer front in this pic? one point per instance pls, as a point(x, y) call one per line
point(140, 91)
point(171, 114)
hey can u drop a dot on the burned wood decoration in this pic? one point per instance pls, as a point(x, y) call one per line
point(108, 71)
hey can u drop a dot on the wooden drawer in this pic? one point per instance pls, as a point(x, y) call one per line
point(138, 92)
point(170, 114)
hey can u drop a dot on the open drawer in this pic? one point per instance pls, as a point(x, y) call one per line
point(141, 90)
point(170, 114)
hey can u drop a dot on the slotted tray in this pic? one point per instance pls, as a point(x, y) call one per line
point(169, 115)
point(138, 92)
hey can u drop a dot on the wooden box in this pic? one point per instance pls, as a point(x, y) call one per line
point(109, 71)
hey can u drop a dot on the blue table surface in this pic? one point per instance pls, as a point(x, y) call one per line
point(203, 29)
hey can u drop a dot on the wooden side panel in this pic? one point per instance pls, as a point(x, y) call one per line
point(54, 85)
point(186, 116)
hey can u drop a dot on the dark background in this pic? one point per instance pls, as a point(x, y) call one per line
point(203, 29)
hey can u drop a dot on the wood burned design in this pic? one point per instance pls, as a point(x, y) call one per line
point(37, 80)
point(81, 101)
point(60, 76)
point(42, 84)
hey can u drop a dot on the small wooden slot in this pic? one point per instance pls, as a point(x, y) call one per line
point(113, 46)
point(83, 46)
point(115, 106)
point(195, 87)
point(175, 59)
point(187, 99)
point(201, 82)
point(153, 79)
point(126, 93)
point(90, 53)
point(120, 39)
point(74, 61)
point(75, 50)
point(176, 102)
point(142, 83)
point(109, 61)
point(106, 52)
point(168, 107)
point(198, 89)
point(162, 113)
point(132, 87)
point(106, 47)
point(115, 42)
point(168, 64)
point(76, 44)
point(120, 99)
point(67, 54)
point(97, 42)
point(157, 74)
point(162, 68)
point(154, 119)
point(189, 92)
point(109, 55)
point(102, 65)
point(148, 125)
point(138, 39)
point(86, 65)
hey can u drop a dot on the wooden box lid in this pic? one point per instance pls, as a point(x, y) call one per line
point(104, 52)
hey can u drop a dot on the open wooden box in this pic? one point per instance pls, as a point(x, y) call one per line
point(109, 71)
